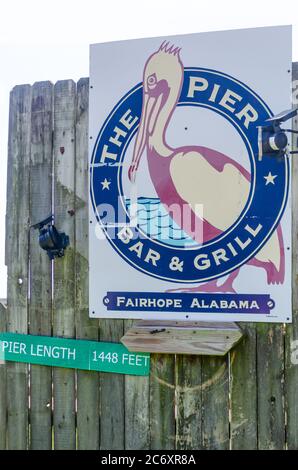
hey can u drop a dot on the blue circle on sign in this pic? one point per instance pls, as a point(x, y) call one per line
point(233, 247)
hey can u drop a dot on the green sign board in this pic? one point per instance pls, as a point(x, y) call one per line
point(73, 354)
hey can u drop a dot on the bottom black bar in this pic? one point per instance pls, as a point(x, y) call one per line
point(137, 459)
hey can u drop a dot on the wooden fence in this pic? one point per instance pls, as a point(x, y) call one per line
point(246, 400)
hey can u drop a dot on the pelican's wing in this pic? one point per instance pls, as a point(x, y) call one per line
point(215, 196)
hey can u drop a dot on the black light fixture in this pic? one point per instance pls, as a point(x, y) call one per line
point(50, 240)
point(272, 139)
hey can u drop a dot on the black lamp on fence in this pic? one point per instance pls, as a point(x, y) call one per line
point(50, 240)
point(272, 139)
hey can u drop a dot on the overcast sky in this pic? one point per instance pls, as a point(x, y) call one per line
point(49, 41)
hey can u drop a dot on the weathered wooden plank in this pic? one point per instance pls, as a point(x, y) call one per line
point(162, 402)
point(188, 402)
point(137, 413)
point(112, 407)
point(87, 382)
point(243, 391)
point(215, 403)
point(17, 216)
point(182, 338)
point(291, 338)
point(40, 306)
point(270, 376)
point(3, 415)
point(64, 268)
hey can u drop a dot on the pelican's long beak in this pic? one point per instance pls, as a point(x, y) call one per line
point(148, 115)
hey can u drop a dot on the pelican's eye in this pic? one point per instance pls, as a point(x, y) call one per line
point(151, 81)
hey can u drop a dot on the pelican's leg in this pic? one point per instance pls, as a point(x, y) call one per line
point(212, 286)
point(227, 286)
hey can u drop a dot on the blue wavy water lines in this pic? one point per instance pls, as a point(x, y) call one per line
point(154, 220)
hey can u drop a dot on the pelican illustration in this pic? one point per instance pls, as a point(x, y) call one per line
point(188, 176)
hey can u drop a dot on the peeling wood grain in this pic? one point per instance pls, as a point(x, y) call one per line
point(188, 402)
point(112, 406)
point(243, 389)
point(17, 251)
point(215, 403)
point(87, 382)
point(3, 416)
point(64, 268)
point(270, 376)
point(137, 412)
point(162, 402)
point(40, 306)
point(181, 338)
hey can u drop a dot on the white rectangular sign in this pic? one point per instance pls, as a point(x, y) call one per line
point(190, 214)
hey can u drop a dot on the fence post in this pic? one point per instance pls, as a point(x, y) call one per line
point(189, 402)
point(162, 402)
point(87, 382)
point(64, 268)
point(40, 306)
point(17, 234)
point(112, 426)
point(137, 429)
point(243, 391)
point(215, 397)
point(3, 416)
point(270, 377)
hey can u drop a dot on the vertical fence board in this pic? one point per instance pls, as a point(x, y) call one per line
point(112, 407)
point(87, 382)
point(243, 390)
point(270, 376)
point(188, 402)
point(215, 403)
point(291, 338)
point(64, 268)
point(17, 258)
point(40, 306)
point(162, 402)
point(3, 417)
point(137, 432)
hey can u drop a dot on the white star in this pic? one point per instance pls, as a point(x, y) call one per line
point(105, 184)
point(270, 178)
